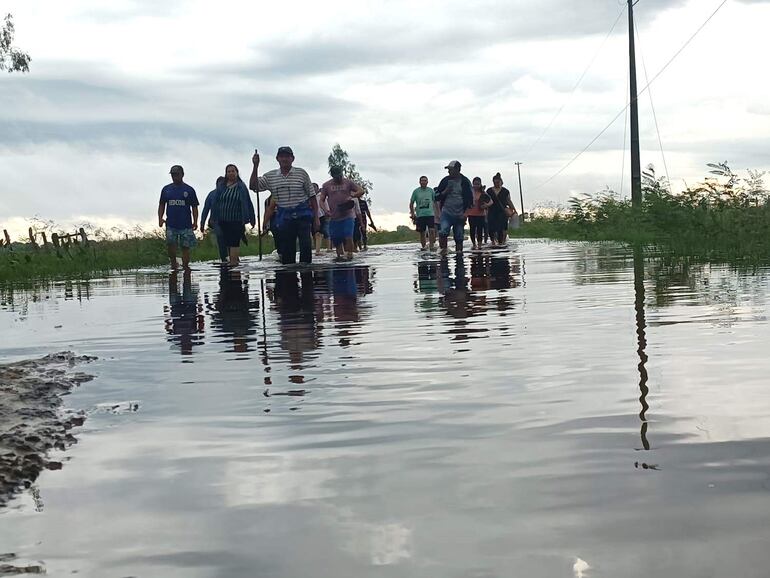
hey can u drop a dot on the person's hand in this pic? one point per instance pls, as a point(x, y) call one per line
point(195, 226)
point(161, 222)
point(255, 159)
point(373, 227)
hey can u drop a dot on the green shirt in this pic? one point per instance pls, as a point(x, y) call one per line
point(423, 200)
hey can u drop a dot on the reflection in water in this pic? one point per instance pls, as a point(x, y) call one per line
point(184, 314)
point(448, 288)
point(233, 313)
point(641, 326)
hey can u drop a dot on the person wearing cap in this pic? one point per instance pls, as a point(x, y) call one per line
point(179, 204)
point(339, 195)
point(293, 202)
point(455, 196)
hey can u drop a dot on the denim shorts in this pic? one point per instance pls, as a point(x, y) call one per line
point(341, 230)
point(452, 222)
point(184, 238)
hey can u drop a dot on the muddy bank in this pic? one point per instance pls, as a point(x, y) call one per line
point(32, 422)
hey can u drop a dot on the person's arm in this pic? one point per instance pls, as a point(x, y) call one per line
point(268, 215)
point(368, 213)
point(195, 217)
point(254, 178)
point(161, 209)
point(206, 210)
point(358, 192)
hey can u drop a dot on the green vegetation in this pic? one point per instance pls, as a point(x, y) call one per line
point(99, 257)
point(724, 218)
point(402, 234)
point(11, 59)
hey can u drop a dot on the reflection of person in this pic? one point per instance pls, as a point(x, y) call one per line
point(184, 313)
point(221, 245)
point(477, 214)
point(180, 205)
point(339, 193)
point(294, 299)
point(234, 315)
point(231, 207)
point(422, 213)
point(455, 196)
point(294, 203)
point(499, 210)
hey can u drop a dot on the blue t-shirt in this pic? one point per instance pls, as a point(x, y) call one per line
point(178, 200)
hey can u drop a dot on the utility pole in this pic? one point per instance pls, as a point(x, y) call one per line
point(521, 194)
point(636, 165)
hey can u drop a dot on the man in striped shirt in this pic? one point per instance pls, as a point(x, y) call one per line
point(293, 201)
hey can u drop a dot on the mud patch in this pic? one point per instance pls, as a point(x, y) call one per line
point(32, 422)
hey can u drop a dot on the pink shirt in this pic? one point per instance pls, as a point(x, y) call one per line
point(336, 195)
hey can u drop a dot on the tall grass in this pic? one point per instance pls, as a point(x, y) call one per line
point(99, 257)
point(725, 217)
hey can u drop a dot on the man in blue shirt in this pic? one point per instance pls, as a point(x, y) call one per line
point(180, 205)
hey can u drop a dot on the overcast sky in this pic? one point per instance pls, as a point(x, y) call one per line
point(120, 90)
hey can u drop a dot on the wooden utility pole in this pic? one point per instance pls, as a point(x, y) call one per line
point(636, 164)
point(521, 194)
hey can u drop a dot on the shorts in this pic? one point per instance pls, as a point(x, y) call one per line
point(341, 230)
point(324, 230)
point(457, 224)
point(232, 231)
point(184, 238)
point(424, 223)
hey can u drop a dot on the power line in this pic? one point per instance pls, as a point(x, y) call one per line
point(577, 84)
point(652, 106)
point(654, 78)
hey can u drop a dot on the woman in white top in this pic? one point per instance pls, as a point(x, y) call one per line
point(323, 217)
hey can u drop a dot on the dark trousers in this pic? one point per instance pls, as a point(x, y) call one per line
point(478, 227)
point(292, 231)
point(221, 244)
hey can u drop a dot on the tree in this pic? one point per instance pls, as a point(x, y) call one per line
point(11, 59)
point(339, 158)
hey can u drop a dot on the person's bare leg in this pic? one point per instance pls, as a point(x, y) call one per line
point(318, 243)
point(172, 257)
point(235, 256)
point(422, 239)
point(432, 236)
point(186, 258)
point(349, 248)
point(340, 247)
point(442, 243)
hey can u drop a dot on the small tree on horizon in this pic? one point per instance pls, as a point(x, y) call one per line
point(339, 158)
point(11, 59)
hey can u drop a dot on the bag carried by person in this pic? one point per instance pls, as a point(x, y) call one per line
point(296, 213)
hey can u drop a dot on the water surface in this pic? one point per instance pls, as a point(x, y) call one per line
point(552, 410)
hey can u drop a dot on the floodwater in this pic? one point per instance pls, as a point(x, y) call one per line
point(554, 410)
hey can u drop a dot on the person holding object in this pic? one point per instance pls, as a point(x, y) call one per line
point(499, 211)
point(340, 194)
point(422, 213)
point(293, 202)
point(221, 245)
point(231, 209)
point(180, 205)
point(455, 196)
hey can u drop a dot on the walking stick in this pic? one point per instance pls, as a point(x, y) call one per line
point(259, 224)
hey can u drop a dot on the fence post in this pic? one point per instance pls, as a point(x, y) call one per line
point(55, 240)
point(7, 239)
point(83, 236)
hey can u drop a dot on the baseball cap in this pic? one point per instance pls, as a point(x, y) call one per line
point(175, 169)
point(285, 151)
point(453, 164)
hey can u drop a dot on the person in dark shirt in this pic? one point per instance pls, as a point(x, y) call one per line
point(180, 206)
point(499, 211)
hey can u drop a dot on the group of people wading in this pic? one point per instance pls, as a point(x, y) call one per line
point(298, 210)
point(455, 199)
